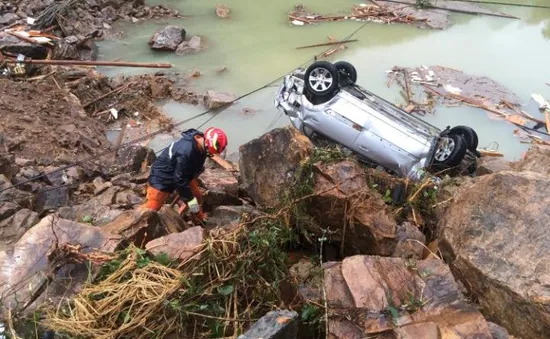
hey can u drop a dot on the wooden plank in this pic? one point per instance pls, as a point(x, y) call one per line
point(327, 44)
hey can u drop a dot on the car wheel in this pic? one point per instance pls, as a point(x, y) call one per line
point(347, 69)
point(451, 150)
point(321, 79)
point(469, 135)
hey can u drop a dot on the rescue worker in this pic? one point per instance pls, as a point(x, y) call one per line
point(179, 166)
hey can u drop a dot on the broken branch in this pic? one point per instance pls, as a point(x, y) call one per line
point(327, 44)
point(94, 63)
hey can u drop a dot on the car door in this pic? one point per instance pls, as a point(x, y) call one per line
point(340, 123)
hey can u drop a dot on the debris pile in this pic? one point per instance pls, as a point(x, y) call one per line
point(222, 11)
point(388, 12)
point(425, 87)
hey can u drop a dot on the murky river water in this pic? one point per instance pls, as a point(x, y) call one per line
point(257, 45)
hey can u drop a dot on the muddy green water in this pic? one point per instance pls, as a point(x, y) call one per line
point(257, 45)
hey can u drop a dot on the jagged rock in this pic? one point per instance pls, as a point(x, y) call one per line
point(21, 162)
point(488, 165)
point(16, 46)
point(22, 198)
point(53, 176)
point(75, 175)
point(25, 269)
point(307, 277)
point(498, 332)
point(51, 199)
point(179, 246)
point(29, 172)
point(123, 180)
point(109, 13)
point(7, 209)
point(8, 18)
point(537, 159)
point(127, 198)
point(381, 291)
point(282, 324)
point(213, 99)
point(131, 158)
point(267, 164)
point(410, 242)
point(107, 198)
point(167, 38)
point(13, 228)
point(194, 45)
point(370, 227)
point(101, 187)
point(227, 217)
point(222, 188)
point(137, 226)
point(6, 166)
point(171, 221)
point(495, 235)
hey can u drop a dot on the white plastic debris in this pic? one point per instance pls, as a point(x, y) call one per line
point(30, 20)
point(297, 23)
point(543, 104)
point(114, 113)
point(362, 5)
point(452, 89)
point(136, 114)
point(429, 78)
point(431, 73)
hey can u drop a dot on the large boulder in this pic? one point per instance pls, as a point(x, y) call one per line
point(51, 198)
point(537, 159)
point(213, 99)
point(179, 246)
point(229, 217)
point(370, 295)
point(268, 164)
point(30, 278)
point(221, 188)
point(8, 193)
point(13, 228)
point(194, 45)
point(495, 235)
point(167, 38)
point(347, 211)
point(134, 158)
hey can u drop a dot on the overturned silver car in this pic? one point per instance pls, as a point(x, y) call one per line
point(325, 101)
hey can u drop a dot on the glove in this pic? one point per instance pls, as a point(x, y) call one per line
point(193, 206)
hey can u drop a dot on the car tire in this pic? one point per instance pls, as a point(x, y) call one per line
point(452, 152)
point(321, 79)
point(347, 69)
point(469, 135)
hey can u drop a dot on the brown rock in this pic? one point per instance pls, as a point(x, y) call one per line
point(14, 195)
point(51, 198)
point(167, 38)
point(498, 332)
point(24, 269)
point(370, 227)
point(171, 221)
point(213, 99)
point(307, 278)
point(495, 235)
point(137, 226)
point(194, 45)
point(267, 164)
point(13, 228)
point(179, 246)
point(228, 217)
point(7, 209)
point(411, 241)
point(368, 287)
point(537, 159)
point(6, 169)
point(221, 188)
point(132, 158)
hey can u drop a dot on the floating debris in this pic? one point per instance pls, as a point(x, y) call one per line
point(222, 11)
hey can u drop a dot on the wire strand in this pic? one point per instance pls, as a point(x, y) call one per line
point(170, 127)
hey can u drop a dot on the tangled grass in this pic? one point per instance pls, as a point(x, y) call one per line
point(231, 281)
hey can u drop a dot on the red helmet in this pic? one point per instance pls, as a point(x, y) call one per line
point(215, 140)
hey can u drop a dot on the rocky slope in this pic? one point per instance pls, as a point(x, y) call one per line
point(381, 279)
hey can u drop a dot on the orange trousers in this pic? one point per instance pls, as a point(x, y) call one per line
point(156, 198)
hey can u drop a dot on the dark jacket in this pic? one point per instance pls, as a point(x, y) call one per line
point(177, 165)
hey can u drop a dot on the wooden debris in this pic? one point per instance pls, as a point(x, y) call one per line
point(93, 63)
point(328, 44)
